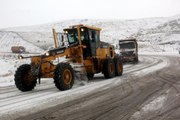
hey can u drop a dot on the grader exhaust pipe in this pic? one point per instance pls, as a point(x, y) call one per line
point(54, 35)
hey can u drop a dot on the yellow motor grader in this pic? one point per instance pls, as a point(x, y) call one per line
point(79, 44)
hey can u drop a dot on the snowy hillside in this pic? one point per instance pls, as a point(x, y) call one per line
point(8, 61)
point(112, 30)
point(9, 39)
point(153, 34)
point(164, 37)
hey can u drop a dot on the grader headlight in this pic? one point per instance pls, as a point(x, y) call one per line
point(47, 53)
point(82, 30)
point(20, 57)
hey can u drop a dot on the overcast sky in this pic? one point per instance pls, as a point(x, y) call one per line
point(30, 12)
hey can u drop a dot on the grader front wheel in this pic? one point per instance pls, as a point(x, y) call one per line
point(63, 76)
point(23, 78)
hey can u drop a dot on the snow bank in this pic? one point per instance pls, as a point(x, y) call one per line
point(9, 39)
point(6, 72)
point(152, 106)
point(8, 68)
point(155, 104)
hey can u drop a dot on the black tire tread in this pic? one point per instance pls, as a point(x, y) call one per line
point(116, 61)
point(106, 68)
point(59, 83)
point(20, 72)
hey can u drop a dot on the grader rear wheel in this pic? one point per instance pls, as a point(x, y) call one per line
point(108, 68)
point(63, 76)
point(23, 78)
point(135, 61)
point(118, 66)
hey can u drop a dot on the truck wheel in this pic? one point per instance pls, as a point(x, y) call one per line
point(64, 76)
point(109, 68)
point(23, 78)
point(118, 66)
point(90, 75)
point(136, 60)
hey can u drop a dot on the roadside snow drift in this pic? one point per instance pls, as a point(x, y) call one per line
point(9, 39)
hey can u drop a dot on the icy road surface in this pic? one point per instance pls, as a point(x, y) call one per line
point(148, 90)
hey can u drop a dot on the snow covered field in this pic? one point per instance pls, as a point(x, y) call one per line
point(9, 64)
point(9, 39)
point(153, 34)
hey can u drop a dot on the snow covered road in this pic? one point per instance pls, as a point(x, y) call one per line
point(15, 104)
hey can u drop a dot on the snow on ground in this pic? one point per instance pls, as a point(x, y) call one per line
point(176, 53)
point(54, 97)
point(7, 70)
point(62, 97)
point(154, 105)
point(8, 60)
point(8, 67)
point(153, 68)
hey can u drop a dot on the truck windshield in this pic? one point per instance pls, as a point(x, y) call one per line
point(127, 45)
point(72, 36)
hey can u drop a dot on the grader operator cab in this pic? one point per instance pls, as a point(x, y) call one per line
point(78, 44)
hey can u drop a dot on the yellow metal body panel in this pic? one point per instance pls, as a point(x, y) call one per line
point(47, 67)
point(81, 25)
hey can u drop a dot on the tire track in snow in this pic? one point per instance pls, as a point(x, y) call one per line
point(26, 99)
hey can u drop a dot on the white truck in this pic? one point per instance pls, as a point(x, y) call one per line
point(129, 50)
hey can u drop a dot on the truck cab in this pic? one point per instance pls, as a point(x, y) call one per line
point(129, 50)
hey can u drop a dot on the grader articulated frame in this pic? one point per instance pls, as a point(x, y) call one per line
point(79, 44)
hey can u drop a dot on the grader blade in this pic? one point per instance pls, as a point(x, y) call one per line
point(80, 74)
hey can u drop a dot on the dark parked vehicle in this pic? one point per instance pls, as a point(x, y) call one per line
point(18, 49)
point(129, 50)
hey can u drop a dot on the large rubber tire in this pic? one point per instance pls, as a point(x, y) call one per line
point(118, 66)
point(23, 78)
point(90, 75)
point(64, 76)
point(136, 60)
point(108, 68)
